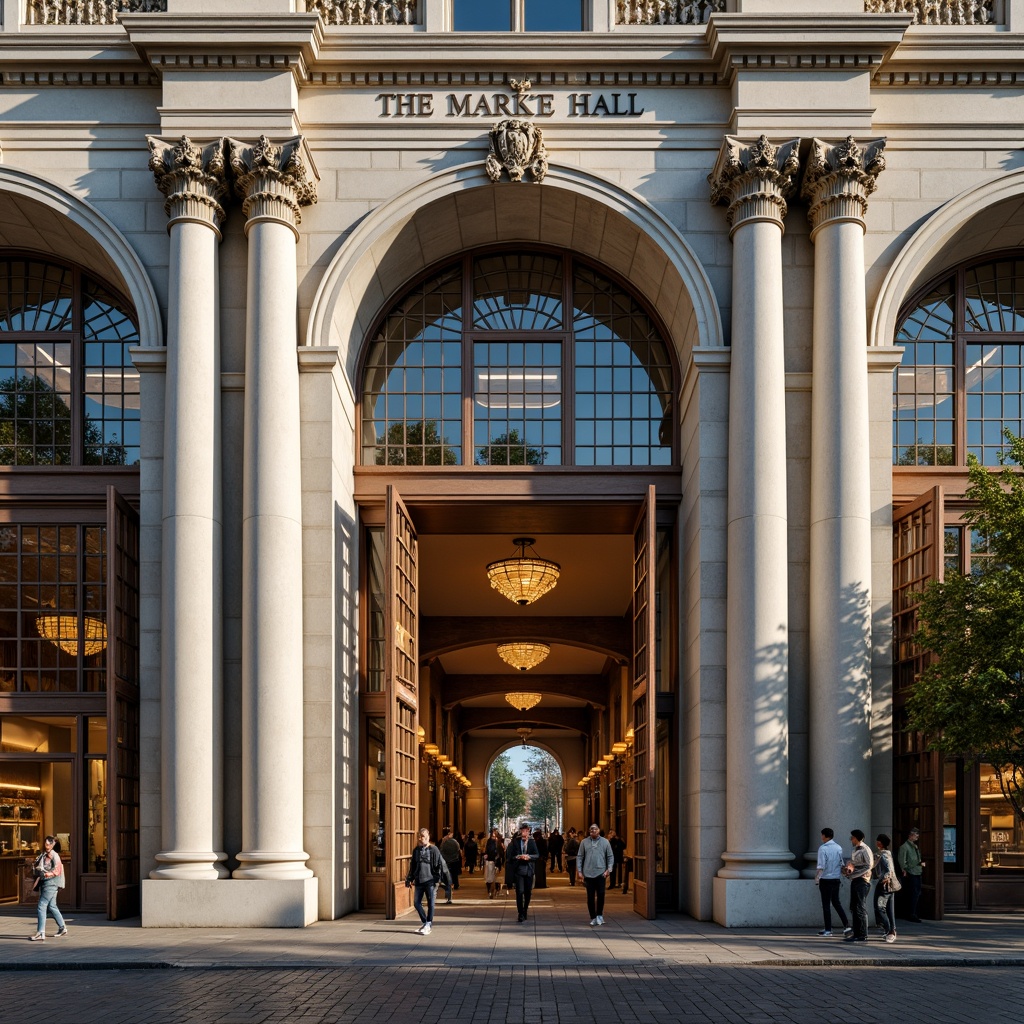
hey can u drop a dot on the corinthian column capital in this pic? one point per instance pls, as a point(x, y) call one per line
point(192, 177)
point(839, 178)
point(272, 180)
point(754, 179)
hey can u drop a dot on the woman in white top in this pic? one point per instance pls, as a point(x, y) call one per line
point(49, 880)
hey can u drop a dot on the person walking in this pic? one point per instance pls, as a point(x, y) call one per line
point(885, 889)
point(540, 878)
point(556, 843)
point(572, 849)
point(596, 862)
point(451, 851)
point(520, 864)
point(828, 877)
point(471, 852)
point(427, 870)
point(858, 870)
point(618, 846)
point(911, 868)
point(49, 872)
point(494, 857)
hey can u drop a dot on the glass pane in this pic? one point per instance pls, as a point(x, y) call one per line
point(1002, 833)
point(111, 381)
point(376, 808)
point(951, 843)
point(96, 803)
point(23, 734)
point(554, 16)
point(35, 801)
point(515, 404)
point(35, 296)
point(992, 380)
point(517, 292)
point(412, 411)
point(474, 16)
point(994, 296)
point(375, 614)
point(623, 377)
point(53, 632)
point(35, 406)
point(96, 736)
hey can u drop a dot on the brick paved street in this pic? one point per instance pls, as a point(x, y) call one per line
point(751, 995)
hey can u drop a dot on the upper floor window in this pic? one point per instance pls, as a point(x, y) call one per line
point(517, 358)
point(959, 383)
point(518, 15)
point(69, 394)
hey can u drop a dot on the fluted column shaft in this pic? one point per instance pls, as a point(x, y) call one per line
point(271, 182)
point(193, 179)
point(838, 180)
point(753, 179)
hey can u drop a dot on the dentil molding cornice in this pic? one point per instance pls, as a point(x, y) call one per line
point(218, 43)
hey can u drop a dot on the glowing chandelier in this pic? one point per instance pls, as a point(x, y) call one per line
point(523, 701)
point(523, 578)
point(62, 631)
point(523, 654)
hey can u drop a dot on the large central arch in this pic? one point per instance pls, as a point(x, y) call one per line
point(461, 209)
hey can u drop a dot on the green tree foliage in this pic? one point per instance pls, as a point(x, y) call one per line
point(970, 700)
point(508, 796)
point(922, 454)
point(35, 428)
point(509, 450)
point(545, 786)
point(416, 444)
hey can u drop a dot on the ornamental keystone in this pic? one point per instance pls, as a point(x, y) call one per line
point(516, 146)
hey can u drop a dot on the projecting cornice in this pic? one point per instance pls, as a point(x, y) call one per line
point(781, 43)
point(216, 43)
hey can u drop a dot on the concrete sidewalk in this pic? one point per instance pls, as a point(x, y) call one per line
point(477, 932)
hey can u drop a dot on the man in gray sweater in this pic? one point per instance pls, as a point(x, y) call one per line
point(596, 862)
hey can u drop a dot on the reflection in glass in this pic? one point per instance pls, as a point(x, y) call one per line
point(995, 296)
point(1002, 833)
point(554, 16)
point(523, 358)
point(50, 384)
point(376, 812)
point(375, 612)
point(96, 804)
point(48, 572)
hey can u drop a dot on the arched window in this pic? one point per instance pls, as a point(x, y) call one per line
point(69, 395)
point(959, 384)
point(517, 358)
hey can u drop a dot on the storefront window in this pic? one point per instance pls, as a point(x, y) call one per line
point(53, 614)
point(96, 806)
point(663, 797)
point(1002, 836)
point(36, 734)
point(952, 842)
point(375, 799)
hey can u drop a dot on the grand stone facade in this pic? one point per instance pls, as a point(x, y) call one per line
point(773, 181)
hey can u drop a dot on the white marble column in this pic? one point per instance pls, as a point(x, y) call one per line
point(192, 177)
point(754, 179)
point(272, 182)
point(837, 183)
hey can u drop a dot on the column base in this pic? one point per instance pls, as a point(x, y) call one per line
point(766, 903)
point(231, 903)
point(190, 866)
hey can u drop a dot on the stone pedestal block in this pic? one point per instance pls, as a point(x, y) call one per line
point(229, 903)
point(767, 903)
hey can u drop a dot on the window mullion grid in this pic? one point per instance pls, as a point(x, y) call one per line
point(568, 365)
point(468, 362)
point(77, 376)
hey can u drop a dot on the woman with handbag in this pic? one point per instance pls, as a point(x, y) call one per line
point(886, 887)
point(49, 872)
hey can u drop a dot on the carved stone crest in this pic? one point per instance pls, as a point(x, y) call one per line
point(517, 146)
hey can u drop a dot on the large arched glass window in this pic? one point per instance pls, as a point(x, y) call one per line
point(69, 395)
point(959, 384)
point(517, 358)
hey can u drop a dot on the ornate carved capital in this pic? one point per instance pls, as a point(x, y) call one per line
point(272, 179)
point(192, 177)
point(516, 146)
point(754, 179)
point(839, 178)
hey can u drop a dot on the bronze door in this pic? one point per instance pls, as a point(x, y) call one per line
point(401, 668)
point(644, 709)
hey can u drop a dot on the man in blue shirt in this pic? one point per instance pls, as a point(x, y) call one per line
point(828, 878)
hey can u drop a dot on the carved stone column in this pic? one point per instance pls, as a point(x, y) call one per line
point(192, 177)
point(272, 182)
point(837, 183)
point(754, 180)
